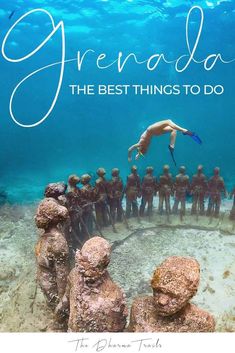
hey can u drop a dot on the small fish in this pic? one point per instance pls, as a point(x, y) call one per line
point(11, 14)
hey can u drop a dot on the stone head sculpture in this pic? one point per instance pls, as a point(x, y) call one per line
point(93, 259)
point(174, 283)
point(50, 213)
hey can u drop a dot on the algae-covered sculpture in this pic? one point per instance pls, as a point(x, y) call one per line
point(216, 188)
point(165, 190)
point(95, 302)
point(198, 189)
point(133, 191)
point(55, 190)
point(52, 251)
point(174, 283)
point(182, 187)
point(148, 190)
point(232, 212)
point(101, 206)
point(115, 195)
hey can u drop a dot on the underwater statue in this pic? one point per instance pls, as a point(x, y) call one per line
point(73, 203)
point(199, 188)
point(216, 187)
point(101, 204)
point(174, 283)
point(133, 191)
point(52, 253)
point(148, 190)
point(115, 195)
point(181, 187)
point(94, 302)
point(55, 190)
point(232, 212)
point(87, 199)
point(165, 187)
point(158, 129)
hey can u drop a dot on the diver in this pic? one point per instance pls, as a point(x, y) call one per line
point(158, 129)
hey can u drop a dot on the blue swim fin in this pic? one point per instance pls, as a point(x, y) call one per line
point(197, 139)
point(194, 136)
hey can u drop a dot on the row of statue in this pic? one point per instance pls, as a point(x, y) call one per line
point(106, 197)
point(86, 299)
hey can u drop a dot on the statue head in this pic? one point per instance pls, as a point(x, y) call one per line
point(115, 172)
point(182, 169)
point(50, 213)
point(55, 190)
point(85, 179)
point(93, 259)
point(200, 168)
point(73, 180)
point(174, 283)
point(149, 170)
point(134, 169)
point(216, 171)
point(101, 172)
point(166, 168)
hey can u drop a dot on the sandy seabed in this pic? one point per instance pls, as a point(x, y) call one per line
point(136, 253)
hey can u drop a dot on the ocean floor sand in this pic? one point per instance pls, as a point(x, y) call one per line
point(136, 253)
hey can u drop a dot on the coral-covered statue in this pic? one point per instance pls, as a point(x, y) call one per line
point(52, 251)
point(174, 283)
point(95, 302)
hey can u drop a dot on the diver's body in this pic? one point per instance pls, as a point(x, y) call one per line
point(157, 129)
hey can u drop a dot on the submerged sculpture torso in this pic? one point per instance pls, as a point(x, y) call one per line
point(145, 318)
point(98, 309)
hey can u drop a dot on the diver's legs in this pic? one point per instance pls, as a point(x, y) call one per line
point(175, 127)
point(173, 134)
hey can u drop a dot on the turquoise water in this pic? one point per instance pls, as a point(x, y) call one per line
point(85, 132)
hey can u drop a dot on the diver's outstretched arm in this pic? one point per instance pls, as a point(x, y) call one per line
point(130, 150)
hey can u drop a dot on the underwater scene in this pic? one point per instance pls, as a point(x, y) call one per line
point(117, 190)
